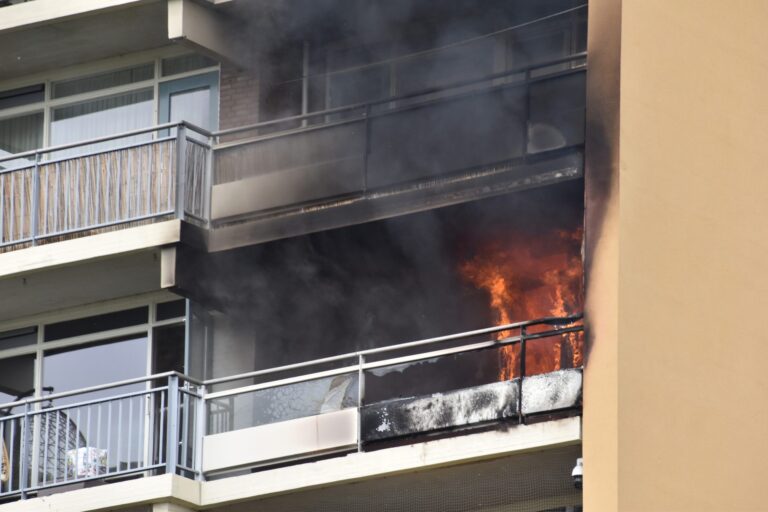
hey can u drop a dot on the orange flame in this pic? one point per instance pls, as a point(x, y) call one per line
point(529, 278)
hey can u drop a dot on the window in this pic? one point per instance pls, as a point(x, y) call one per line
point(92, 350)
point(103, 103)
point(105, 116)
point(103, 81)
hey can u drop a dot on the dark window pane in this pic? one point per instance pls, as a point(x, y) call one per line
point(22, 96)
point(92, 365)
point(173, 309)
point(18, 338)
point(168, 342)
point(91, 324)
point(16, 379)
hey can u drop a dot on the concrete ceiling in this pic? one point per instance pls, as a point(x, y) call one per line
point(82, 39)
point(79, 284)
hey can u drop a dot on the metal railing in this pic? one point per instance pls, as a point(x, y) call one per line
point(508, 116)
point(156, 424)
point(99, 433)
point(124, 178)
point(168, 171)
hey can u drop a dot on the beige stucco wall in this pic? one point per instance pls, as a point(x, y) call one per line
point(692, 248)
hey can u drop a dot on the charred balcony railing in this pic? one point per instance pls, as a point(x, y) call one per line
point(141, 175)
point(504, 120)
point(170, 423)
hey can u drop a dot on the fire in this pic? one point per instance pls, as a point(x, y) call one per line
point(527, 278)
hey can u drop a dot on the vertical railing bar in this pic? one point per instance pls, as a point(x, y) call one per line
point(87, 197)
point(23, 203)
point(24, 451)
point(130, 431)
point(57, 184)
point(200, 431)
point(56, 462)
point(173, 427)
point(2, 208)
point(98, 435)
point(78, 429)
point(523, 332)
point(35, 200)
point(79, 166)
point(150, 150)
point(46, 446)
point(168, 176)
point(157, 173)
point(107, 186)
point(66, 440)
point(527, 112)
point(109, 434)
point(12, 211)
point(181, 169)
point(119, 433)
point(87, 440)
point(367, 149)
point(13, 451)
point(2, 440)
point(97, 198)
point(139, 191)
point(360, 397)
point(67, 189)
point(185, 429)
point(128, 158)
point(162, 428)
point(118, 183)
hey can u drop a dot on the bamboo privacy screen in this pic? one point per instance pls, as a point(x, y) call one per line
point(99, 189)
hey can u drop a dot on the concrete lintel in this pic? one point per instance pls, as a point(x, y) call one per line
point(91, 247)
point(206, 31)
point(46, 11)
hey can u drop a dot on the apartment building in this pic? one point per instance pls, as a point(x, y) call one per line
point(326, 255)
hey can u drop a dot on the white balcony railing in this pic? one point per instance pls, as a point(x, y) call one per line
point(170, 423)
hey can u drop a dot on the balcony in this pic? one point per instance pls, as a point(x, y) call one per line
point(517, 129)
point(171, 423)
point(117, 181)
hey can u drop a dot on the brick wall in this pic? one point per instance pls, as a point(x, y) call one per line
point(239, 97)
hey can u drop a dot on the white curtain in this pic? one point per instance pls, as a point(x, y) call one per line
point(104, 116)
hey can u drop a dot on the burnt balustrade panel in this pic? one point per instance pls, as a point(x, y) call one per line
point(406, 142)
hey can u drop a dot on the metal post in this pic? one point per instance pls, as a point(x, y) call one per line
point(522, 375)
point(24, 462)
point(181, 170)
point(527, 113)
point(367, 148)
point(360, 396)
point(199, 432)
point(33, 230)
point(209, 159)
point(172, 435)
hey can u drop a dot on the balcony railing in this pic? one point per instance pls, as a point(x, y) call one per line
point(419, 141)
point(170, 423)
point(152, 173)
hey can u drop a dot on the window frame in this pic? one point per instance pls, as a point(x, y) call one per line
point(49, 104)
point(146, 329)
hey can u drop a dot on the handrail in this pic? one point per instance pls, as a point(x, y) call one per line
point(100, 387)
point(553, 321)
point(421, 92)
point(429, 341)
point(105, 138)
